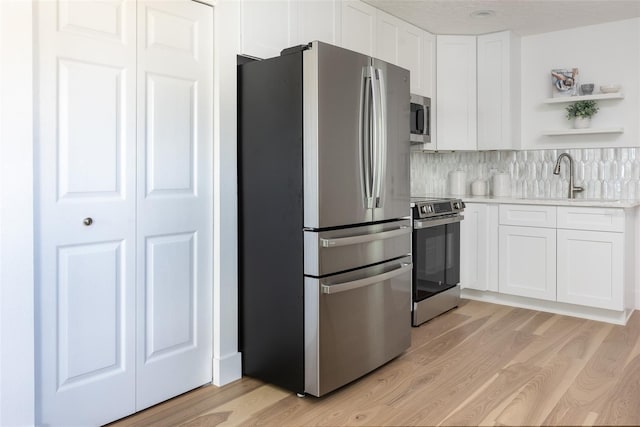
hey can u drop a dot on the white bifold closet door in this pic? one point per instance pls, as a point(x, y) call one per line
point(124, 208)
point(175, 199)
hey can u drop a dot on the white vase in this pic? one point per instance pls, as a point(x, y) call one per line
point(581, 122)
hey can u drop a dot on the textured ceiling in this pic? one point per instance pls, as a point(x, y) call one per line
point(522, 16)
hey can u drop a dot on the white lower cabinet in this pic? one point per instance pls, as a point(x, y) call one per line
point(590, 268)
point(580, 257)
point(479, 247)
point(527, 264)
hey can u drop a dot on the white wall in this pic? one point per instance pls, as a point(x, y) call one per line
point(226, 359)
point(604, 53)
point(16, 216)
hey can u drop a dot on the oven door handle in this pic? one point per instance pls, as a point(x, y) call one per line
point(426, 223)
point(361, 283)
point(365, 238)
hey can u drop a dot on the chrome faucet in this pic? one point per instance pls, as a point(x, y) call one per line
point(556, 171)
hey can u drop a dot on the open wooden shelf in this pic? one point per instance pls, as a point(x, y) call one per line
point(596, 97)
point(560, 132)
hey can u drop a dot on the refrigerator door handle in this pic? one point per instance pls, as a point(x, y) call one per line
point(380, 143)
point(364, 238)
point(375, 140)
point(365, 137)
point(361, 283)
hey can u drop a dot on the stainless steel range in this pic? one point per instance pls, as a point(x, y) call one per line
point(436, 256)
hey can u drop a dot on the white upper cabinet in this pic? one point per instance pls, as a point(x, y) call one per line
point(319, 20)
point(403, 44)
point(388, 29)
point(456, 87)
point(267, 27)
point(498, 91)
point(359, 27)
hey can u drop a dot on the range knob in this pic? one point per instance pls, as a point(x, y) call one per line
point(456, 205)
point(429, 208)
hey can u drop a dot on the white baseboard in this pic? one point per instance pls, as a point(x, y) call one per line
point(599, 314)
point(227, 369)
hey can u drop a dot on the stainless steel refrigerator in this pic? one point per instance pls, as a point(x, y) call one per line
point(324, 228)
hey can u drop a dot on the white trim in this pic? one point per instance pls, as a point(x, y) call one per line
point(599, 314)
point(227, 369)
point(17, 384)
point(226, 359)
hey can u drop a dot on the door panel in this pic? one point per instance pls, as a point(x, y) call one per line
point(395, 190)
point(85, 156)
point(174, 277)
point(89, 308)
point(170, 291)
point(105, 19)
point(91, 94)
point(333, 96)
point(171, 115)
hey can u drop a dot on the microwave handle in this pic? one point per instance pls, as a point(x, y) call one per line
point(420, 118)
point(427, 120)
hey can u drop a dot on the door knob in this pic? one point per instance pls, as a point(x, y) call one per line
point(87, 221)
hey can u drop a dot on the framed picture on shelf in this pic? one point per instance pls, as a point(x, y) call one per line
point(565, 82)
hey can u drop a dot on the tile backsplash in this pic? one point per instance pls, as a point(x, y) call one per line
point(604, 173)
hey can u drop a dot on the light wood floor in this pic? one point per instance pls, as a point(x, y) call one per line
point(481, 364)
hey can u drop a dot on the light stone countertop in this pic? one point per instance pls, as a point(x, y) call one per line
point(595, 203)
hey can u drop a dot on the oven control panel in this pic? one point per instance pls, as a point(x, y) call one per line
point(436, 207)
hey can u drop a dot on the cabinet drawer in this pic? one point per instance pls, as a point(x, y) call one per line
point(596, 219)
point(528, 215)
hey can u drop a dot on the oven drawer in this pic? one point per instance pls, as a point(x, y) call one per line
point(355, 322)
point(333, 251)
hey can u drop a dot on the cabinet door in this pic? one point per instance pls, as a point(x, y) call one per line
point(590, 268)
point(473, 248)
point(319, 20)
point(456, 87)
point(528, 262)
point(388, 29)
point(411, 55)
point(427, 85)
point(359, 27)
point(267, 27)
point(498, 91)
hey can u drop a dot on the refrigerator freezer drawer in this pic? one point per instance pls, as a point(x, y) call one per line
point(329, 252)
point(355, 322)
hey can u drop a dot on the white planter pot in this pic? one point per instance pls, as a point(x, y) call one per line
point(581, 122)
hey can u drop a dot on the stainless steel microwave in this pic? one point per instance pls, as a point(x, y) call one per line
point(420, 122)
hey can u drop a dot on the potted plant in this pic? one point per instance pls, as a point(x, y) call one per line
point(581, 113)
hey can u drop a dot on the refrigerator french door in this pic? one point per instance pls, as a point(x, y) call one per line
point(356, 154)
point(324, 234)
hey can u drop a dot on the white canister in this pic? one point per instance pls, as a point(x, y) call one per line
point(501, 184)
point(458, 183)
point(479, 187)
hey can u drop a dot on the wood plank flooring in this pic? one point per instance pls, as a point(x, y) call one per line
point(481, 364)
